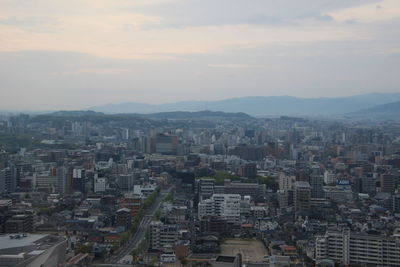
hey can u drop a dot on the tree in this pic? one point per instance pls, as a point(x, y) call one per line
point(83, 249)
point(183, 261)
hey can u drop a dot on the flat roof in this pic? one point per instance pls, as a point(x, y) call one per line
point(7, 242)
point(225, 259)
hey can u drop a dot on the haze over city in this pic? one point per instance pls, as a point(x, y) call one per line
point(79, 54)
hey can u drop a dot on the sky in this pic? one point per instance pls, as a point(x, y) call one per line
point(77, 54)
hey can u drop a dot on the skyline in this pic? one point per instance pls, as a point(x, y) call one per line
point(384, 96)
point(87, 53)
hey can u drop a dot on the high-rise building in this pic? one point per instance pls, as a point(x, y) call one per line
point(387, 183)
point(248, 170)
point(99, 184)
point(368, 185)
point(286, 181)
point(317, 186)
point(45, 182)
point(2, 181)
point(396, 203)
point(125, 133)
point(79, 180)
point(166, 144)
point(329, 178)
point(126, 182)
point(61, 186)
point(8, 179)
point(302, 195)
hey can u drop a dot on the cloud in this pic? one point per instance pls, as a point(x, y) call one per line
point(101, 71)
point(196, 13)
point(169, 29)
point(75, 80)
point(32, 23)
point(234, 66)
point(81, 53)
point(388, 10)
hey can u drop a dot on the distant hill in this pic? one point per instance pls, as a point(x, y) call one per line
point(74, 113)
point(206, 114)
point(175, 115)
point(384, 112)
point(262, 106)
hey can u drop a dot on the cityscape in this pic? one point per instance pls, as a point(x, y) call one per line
point(214, 189)
point(200, 133)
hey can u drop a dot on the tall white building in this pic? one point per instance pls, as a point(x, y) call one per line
point(125, 133)
point(223, 205)
point(329, 178)
point(286, 182)
point(99, 184)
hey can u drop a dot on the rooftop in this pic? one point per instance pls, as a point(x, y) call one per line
point(18, 240)
point(225, 258)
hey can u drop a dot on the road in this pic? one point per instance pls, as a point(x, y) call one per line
point(137, 238)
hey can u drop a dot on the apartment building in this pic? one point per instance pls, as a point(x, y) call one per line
point(222, 205)
point(358, 248)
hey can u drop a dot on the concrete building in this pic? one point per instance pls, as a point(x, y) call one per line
point(222, 205)
point(45, 182)
point(228, 261)
point(355, 248)
point(387, 183)
point(99, 184)
point(166, 144)
point(123, 217)
point(8, 179)
point(21, 223)
point(205, 188)
point(213, 224)
point(368, 185)
point(329, 178)
point(132, 202)
point(286, 181)
point(258, 211)
point(317, 186)
point(163, 235)
point(253, 190)
point(61, 185)
point(338, 194)
point(248, 170)
point(302, 196)
point(32, 250)
point(126, 182)
point(79, 180)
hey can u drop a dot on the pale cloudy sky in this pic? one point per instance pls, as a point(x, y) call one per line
point(74, 54)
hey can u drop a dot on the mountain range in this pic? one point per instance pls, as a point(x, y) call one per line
point(264, 105)
point(389, 111)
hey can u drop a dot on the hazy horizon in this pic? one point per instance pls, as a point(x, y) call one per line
point(83, 53)
point(88, 108)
